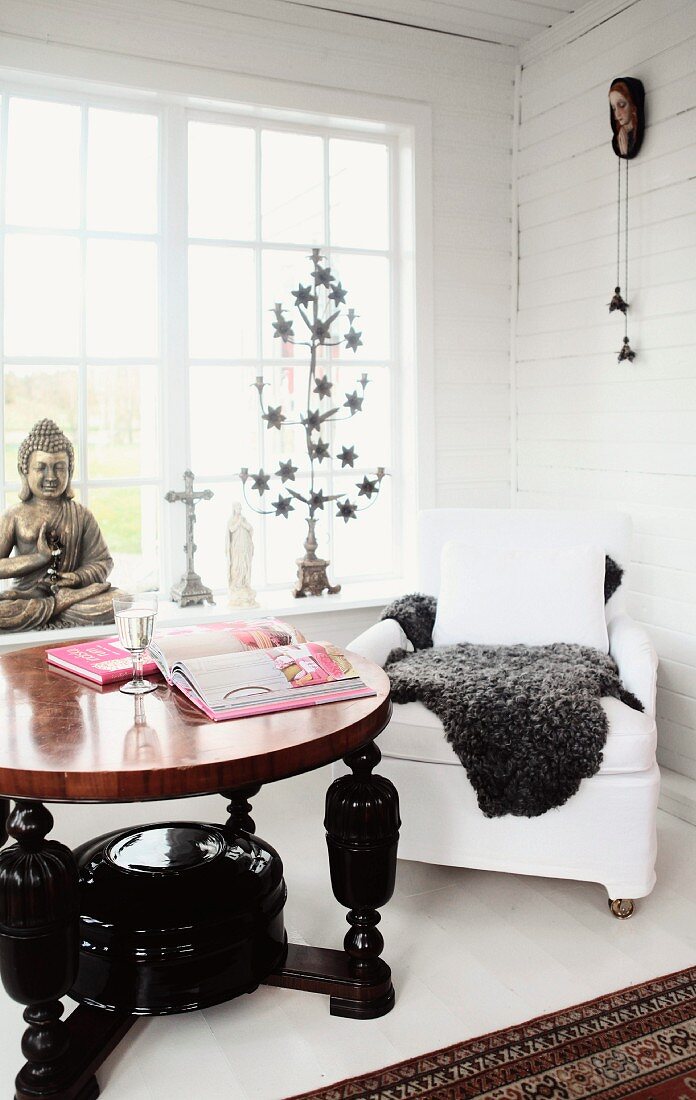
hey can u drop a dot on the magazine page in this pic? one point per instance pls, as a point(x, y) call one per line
point(183, 644)
point(258, 681)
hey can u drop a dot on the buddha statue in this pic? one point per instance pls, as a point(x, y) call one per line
point(60, 561)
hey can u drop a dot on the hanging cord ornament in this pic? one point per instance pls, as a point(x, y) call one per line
point(627, 117)
point(617, 301)
point(626, 353)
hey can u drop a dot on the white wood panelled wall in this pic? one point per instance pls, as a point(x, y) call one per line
point(468, 87)
point(588, 431)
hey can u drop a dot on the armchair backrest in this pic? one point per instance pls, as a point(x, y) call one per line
point(531, 527)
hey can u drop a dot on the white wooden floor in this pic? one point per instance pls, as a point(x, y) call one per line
point(470, 951)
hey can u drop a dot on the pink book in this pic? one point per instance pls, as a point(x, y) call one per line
point(103, 662)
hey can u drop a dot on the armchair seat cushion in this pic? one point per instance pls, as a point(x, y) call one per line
point(415, 733)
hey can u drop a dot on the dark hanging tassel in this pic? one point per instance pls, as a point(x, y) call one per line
point(626, 352)
point(617, 301)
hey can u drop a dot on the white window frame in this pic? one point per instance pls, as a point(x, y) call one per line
point(270, 528)
point(82, 481)
point(172, 91)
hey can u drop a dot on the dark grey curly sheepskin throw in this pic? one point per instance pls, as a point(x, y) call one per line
point(415, 614)
point(525, 721)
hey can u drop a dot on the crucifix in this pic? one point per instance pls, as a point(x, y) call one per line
point(190, 589)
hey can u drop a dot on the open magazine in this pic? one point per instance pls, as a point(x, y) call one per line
point(186, 643)
point(264, 681)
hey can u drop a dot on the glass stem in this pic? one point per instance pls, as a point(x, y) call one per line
point(138, 655)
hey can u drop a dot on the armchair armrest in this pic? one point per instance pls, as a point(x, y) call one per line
point(377, 642)
point(636, 658)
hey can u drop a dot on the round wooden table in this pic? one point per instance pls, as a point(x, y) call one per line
point(167, 918)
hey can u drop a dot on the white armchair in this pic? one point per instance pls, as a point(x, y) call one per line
point(605, 833)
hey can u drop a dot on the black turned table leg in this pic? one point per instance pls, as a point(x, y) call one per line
point(38, 940)
point(239, 808)
point(362, 832)
point(4, 814)
point(38, 962)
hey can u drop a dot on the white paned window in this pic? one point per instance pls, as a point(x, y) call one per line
point(143, 249)
point(259, 199)
point(80, 303)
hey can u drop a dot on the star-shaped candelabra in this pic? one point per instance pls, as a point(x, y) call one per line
point(319, 308)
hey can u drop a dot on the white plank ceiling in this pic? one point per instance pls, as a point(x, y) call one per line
point(509, 22)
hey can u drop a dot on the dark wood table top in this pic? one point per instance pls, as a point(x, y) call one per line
point(63, 739)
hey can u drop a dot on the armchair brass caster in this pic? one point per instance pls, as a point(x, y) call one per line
point(621, 908)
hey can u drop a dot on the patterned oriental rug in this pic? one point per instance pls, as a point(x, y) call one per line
point(639, 1042)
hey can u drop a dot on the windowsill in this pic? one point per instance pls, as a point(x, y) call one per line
point(352, 597)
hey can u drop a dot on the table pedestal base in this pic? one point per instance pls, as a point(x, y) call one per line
point(323, 970)
point(93, 1034)
point(173, 917)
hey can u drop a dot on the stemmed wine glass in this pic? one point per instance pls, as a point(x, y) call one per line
point(135, 619)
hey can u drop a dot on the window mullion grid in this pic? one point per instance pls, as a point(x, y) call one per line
point(147, 481)
point(74, 360)
point(4, 119)
point(246, 120)
point(174, 374)
point(295, 361)
point(396, 395)
point(83, 481)
point(92, 234)
point(262, 566)
point(271, 246)
point(123, 102)
point(331, 440)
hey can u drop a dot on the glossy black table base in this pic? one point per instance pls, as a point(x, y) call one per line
point(170, 918)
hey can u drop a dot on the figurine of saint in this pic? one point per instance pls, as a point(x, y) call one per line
point(240, 552)
point(60, 561)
